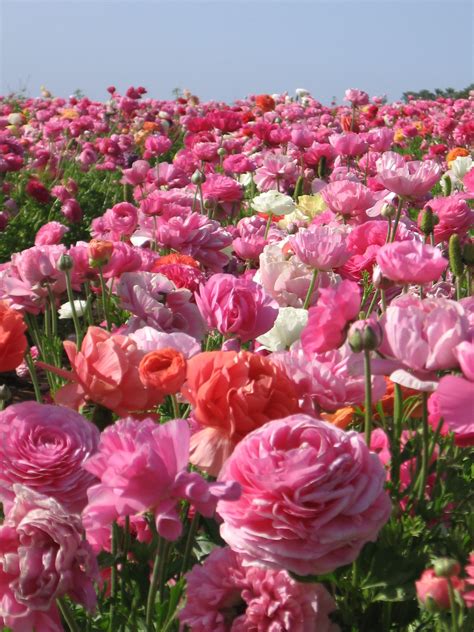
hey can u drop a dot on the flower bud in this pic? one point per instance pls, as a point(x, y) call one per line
point(198, 177)
point(5, 393)
point(299, 188)
point(379, 281)
point(456, 264)
point(388, 211)
point(277, 119)
point(322, 167)
point(66, 262)
point(221, 152)
point(446, 185)
point(446, 567)
point(428, 221)
point(99, 251)
point(364, 335)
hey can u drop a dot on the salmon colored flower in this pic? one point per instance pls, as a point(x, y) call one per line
point(341, 418)
point(232, 394)
point(173, 258)
point(455, 153)
point(265, 102)
point(99, 251)
point(12, 338)
point(164, 370)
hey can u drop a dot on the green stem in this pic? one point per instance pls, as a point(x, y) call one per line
point(267, 227)
point(113, 578)
point(34, 376)
point(54, 314)
point(458, 285)
point(67, 614)
point(423, 476)
point(397, 219)
point(193, 527)
point(454, 610)
point(201, 199)
point(372, 302)
point(155, 577)
point(75, 319)
point(175, 406)
point(309, 293)
point(368, 397)
point(105, 302)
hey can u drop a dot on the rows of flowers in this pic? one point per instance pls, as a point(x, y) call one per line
point(237, 364)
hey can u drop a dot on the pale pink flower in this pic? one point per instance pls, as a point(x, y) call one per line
point(50, 234)
point(319, 492)
point(349, 144)
point(411, 261)
point(321, 247)
point(136, 174)
point(223, 586)
point(414, 178)
point(452, 403)
point(348, 198)
point(356, 97)
point(277, 172)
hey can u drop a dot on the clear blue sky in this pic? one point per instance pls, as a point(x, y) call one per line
point(231, 48)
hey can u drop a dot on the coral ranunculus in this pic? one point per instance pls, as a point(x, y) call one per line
point(164, 370)
point(232, 394)
point(12, 338)
point(265, 102)
point(319, 493)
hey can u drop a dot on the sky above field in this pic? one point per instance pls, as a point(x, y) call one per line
point(231, 48)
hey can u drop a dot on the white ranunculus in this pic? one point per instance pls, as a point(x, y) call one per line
point(461, 166)
point(302, 92)
point(15, 118)
point(65, 311)
point(286, 330)
point(245, 178)
point(273, 202)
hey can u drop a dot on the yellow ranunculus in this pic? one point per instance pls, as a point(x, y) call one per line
point(311, 205)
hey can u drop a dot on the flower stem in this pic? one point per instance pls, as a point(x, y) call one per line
point(193, 527)
point(309, 293)
point(175, 406)
point(397, 219)
point(267, 227)
point(75, 319)
point(105, 302)
point(155, 577)
point(454, 610)
point(67, 614)
point(368, 398)
point(113, 578)
point(34, 376)
point(423, 476)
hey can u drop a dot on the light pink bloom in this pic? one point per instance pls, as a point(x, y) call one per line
point(414, 178)
point(319, 492)
point(349, 144)
point(50, 234)
point(329, 317)
point(356, 97)
point(142, 466)
point(277, 172)
point(136, 174)
point(238, 306)
point(43, 556)
point(321, 247)
point(149, 339)
point(411, 261)
point(348, 198)
point(222, 587)
point(465, 355)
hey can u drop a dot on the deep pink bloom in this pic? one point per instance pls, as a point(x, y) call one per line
point(321, 247)
point(222, 587)
point(452, 402)
point(50, 234)
point(44, 447)
point(348, 198)
point(349, 144)
point(142, 466)
point(236, 306)
point(72, 211)
point(120, 221)
point(238, 163)
point(414, 178)
point(411, 261)
point(43, 556)
point(319, 491)
point(455, 216)
point(430, 586)
point(136, 174)
point(218, 188)
point(329, 317)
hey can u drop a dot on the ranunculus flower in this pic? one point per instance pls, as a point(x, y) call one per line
point(348, 198)
point(411, 261)
point(273, 202)
point(238, 306)
point(452, 403)
point(454, 214)
point(13, 341)
point(321, 247)
point(430, 587)
point(50, 233)
point(409, 179)
point(43, 556)
point(356, 97)
point(164, 370)
point(219, 590)
point(44, 448)
point(232, 394)
point(286, 330)
point(319, 492)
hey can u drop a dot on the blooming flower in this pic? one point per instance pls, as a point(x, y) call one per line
point(411, 261)
point(410, 179)
point(13, 341)
point(273, 202)
point(286, 329)
point(321, 247)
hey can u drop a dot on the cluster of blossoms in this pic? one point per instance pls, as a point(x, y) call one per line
point(262, 352)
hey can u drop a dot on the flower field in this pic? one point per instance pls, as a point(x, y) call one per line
point(236, 364)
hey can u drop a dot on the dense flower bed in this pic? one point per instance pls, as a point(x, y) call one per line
point(237, 356)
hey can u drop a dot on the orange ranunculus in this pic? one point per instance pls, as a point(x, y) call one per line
point(341, 418)
point(164, 370)
point(265, 102)
point(99, 251)
point(388, 400)
point(232, 394)
point(12, 338)
point(175, 257)
point(455, 153)
point(150, 126)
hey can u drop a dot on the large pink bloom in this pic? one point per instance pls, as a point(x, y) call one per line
point(218, 188)
point(236, 306)
point(321, 247)
point(43, 556)
point(349, 144)
point(411, 261)
point(348, 198)
point(329, 317)
point(319, 492)
point(454, 214)
point(222, 587)
point(44, 447)
point(142, 466)
point(414, 178)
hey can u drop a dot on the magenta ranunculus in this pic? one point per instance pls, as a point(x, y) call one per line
point(43, 556)
point(236, 306)
point(321, 247)
point(218, 188)
point(50, 234)
point(454, 214)
point(44, 448)
point(409, 179)
point(224, 595)
point(319, 492)
point(411, 261)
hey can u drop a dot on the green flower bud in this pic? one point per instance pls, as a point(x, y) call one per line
point(455, 256)
point(446, 185)
point(221, 152)
point(322, 167)
point(198, 177)
point(66, 262)
point(388, 211)
point(5, 393)
point(428, 223)
point(299, 188)
point(446, 567)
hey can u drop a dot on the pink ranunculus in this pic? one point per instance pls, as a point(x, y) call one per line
point(349, 144)
point(50, 234)
point(423, 334)
point(321, 247)
point(329, 317)
point(236, 306)
point(356, 97)
point(44, 447)
point(238, 163)
point(219, 188)
point(149, 339)
point(277, 172)
point(136, 174)
point(250, 239)
point(452, 402)
point(430, 586)
point(43, 556)
point(465, 355)
point(223, 586)
point(348, 198)
point(414, 178)
point(319, 491)
point(411, 261)
point(121, 220)
point(380, 139)
point(72, 211)
point(454, 214)
point(142, 466)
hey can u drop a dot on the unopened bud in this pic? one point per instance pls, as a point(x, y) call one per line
point(468, 254)
point(379, 281)
point(446, 567)
point(322, 167)
point(66, 262)
point(221, 152)
point(428, 223)
point(99, 251)
point(455, 256)
point(388, 211)
point(446, 185)
point(364, 335)
point(5, 393)
point(198, 177)
point(277, 119)
point(299, 188)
